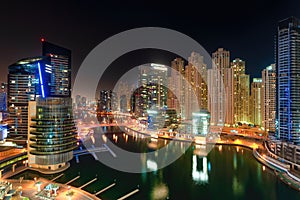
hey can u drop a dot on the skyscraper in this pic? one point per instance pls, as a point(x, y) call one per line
point(152, 93)
point(196, 75)
point(256, 101)
point(288, 82)
point(107, 102)
point(27, 78)
point(60, 60)
point(269, 98)
point(176, 86)
point(51, 129)
point(220, 89)
point(241, 82)
point(245, 90)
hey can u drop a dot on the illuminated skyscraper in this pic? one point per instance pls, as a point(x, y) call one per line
point(60, 59)
point(269, 98)
point(27, 78)
point(51, 129)
point(152, 93)
point(288, 82)
point(240, 91)
point(123, 93)
point(220, 89)
point(176, 86)
point(196, 75)
point(245, 89)
point(256, 101)
point(107, 102)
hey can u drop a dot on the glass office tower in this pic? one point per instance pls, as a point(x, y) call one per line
point(60, 59)
point(288, 81)
point(27, 78)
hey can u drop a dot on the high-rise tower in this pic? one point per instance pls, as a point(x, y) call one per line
point(27, 78)
point(220, 89)
point(288, 82)
point(60, 60)
point(269, 98)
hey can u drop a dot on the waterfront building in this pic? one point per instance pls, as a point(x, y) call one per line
point(40, 108)
point(288, 82)
point(171, 118)
point(155, 119)
point(196, 93)
point(152, 91)
point(220, 89)
point(27, 78)
point(52, 133)
point(201, 122)
point(269, 98)
point(176, 87)
point(256, 101)
point(241, 91)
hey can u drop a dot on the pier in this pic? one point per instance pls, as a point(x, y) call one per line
point(104, 189)
point(77, 177)
point(57, 177)
point(129, 194)
point(88, 183)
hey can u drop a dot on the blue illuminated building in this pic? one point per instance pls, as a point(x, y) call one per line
point(60, 60)
point(288, 81)
point(27, 79)
point(3, 107)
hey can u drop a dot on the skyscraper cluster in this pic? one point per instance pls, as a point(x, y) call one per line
point(40, 107)
point(188, 86)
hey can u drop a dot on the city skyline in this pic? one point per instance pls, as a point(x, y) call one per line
point(150, 100)
point(253, 29)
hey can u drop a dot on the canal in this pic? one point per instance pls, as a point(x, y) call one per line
point(226, 172)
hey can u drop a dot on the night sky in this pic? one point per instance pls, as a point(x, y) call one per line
point(245, 28)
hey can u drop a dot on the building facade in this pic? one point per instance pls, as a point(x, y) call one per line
point(288, 82)
point(269, 98)
point(52, 133)
point(152, 91)
point(27, 78)
point(220, 89)
point(60, 60)
point(176, 87)
point(107, 101)
point(256, 101)
point(241, 91)
point(196, 76)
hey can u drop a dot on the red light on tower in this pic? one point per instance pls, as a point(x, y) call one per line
point(42, 39)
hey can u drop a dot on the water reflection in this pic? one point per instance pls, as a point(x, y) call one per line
point(160, 191)
point(200, 176)
point(237, 187)
point(234, 161)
